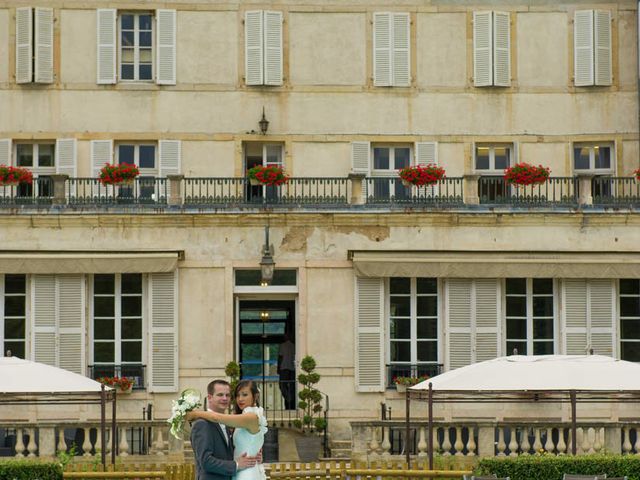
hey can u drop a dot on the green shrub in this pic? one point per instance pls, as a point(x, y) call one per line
point(551, 467)
point(30, 470)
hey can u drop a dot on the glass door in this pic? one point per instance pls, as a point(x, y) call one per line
point(267, 155)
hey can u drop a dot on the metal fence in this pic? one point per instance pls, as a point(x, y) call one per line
point(556, 191)
point(392, 190)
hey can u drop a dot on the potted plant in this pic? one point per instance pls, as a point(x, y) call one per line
point(636, 173)
point(15, 175)
point(232, 370)
point(312, 421)
point(420, 175)
point(402, 383)
point(118, 174)
point(522, 174)
point(270, 175)
point(122, 384)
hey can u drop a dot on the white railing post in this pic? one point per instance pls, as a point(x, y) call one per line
point(32, 447)
point(458, 445)
point(471, 444)
point(422, 443)
point(86, 443)
point(19, 443)
point(525, 446)
point(513, 442)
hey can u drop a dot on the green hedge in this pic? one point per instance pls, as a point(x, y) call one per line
point(30, 470)
point(551, 467)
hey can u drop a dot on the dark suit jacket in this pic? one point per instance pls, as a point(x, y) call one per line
point(214, 457)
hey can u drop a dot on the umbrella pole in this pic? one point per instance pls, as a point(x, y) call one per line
point(114, 439)
point(103, 436)
point(407, 443)
point(430, 427)
point(574, 427)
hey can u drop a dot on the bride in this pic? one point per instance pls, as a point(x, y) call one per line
point(250, 426)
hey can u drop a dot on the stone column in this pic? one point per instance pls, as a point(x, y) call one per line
point(174, 187)
point(585, 196)
point(612, 436)
point(59, 183)
point(47, 440)
point(357, 180)
point(470, 190)
point(486, 441)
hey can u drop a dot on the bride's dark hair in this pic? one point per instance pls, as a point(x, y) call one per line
point(253, 388)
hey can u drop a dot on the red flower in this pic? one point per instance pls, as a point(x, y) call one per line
point(526, 174)
point(9, 174)
point(420, 175)
point(115, 174)
point(270, 175)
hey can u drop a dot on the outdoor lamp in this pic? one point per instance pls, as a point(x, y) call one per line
point(267, 264)
point(264, 123)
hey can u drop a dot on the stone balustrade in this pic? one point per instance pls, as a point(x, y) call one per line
point(386, 439)
point(134, 437)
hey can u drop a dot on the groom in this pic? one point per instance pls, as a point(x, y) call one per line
point(211, 443)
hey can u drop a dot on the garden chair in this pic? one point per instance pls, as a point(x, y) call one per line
point(573, 476)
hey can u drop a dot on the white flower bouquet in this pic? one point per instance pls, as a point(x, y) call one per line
point(189, 400)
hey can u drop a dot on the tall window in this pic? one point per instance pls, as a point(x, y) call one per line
point(387, 160)
point(490, 160)
point(413, 326)
point(630, 320)
point(117, 320)
point(529, 315)
point(13, 330)
point(136, 46)
point(40, 158)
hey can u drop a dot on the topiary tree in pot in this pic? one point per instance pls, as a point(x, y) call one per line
point(311, 422)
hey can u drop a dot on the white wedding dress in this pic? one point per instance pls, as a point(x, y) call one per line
point(251, 443)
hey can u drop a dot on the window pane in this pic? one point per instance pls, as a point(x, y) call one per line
point(516, 286)
point(427, 306)
point(14, 306)
point(543, 348)
point(144, 22)
point(603, 157)
point(14, 328)
point(628, 286)
point(501, 157)
point(399, 285)
point(145, 56)
point(482, 158)
point(630, 329)
point(24, 155)
point(542, 306)
point(581, 158)
point(399, 328)
point(131, 351)
point(126, 22)
point(103, 284)
point(400, 306)
point(427, 328)
point(145, 72)
point(17, 349)
point(542, 328)
point(104, 329)
point(131, 283)
point(147, 156)
point(427, 351)
point(542, 286)
point(126, 72)
point(381, 158)
point(127, 38)
point(145, 39)
point(516, 306)
point(126, 154)
point(400, 352)
point(516, 328)
point(132, 328)
point(46, 155)
point(274, 155)
point(14, 283)
point(427, 285)
point(131, 306)
point(630, 351)
point(402, 157)
point(520, 346)
point(103, 307)
point(104, 352)
point(630, 306)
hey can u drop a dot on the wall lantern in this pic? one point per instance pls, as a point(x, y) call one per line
point(267, 264)
point(264, 123)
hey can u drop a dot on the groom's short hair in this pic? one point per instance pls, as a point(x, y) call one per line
point(211, 388)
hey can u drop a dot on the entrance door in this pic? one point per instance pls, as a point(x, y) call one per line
point(266, 330)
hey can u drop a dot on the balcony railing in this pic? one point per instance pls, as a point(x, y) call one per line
point(353, 192)
point(412, 370)
point(135, 372)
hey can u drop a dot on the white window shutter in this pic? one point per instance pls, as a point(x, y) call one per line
point(482, 49)
point(166, 47)
point(253, 54)
point(382, 44)
point(101, 153)
point(602, 314)
point(106, 55)
point(66, 152)
point(427, 153)
point(5, 151)
point(602, 48)
point(401, 45)
point(360, 157)
point(459, 325)
point(24, 45)
point(170, 153)
point(71, 322)
point(163, 355)
point(44, 307)
point(574, 299)
point(43, 50)
point(583, 57)
point(501, 49)
point(487, 319)
point(369, 335)
point(273, 48)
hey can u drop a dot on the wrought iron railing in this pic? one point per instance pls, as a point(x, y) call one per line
point(40, 192)
point(392, 190)
point(142, 190)
point(558, 191)
point(615, 191)
point(132, 371)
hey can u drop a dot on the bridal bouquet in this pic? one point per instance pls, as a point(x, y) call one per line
point(189, 400)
